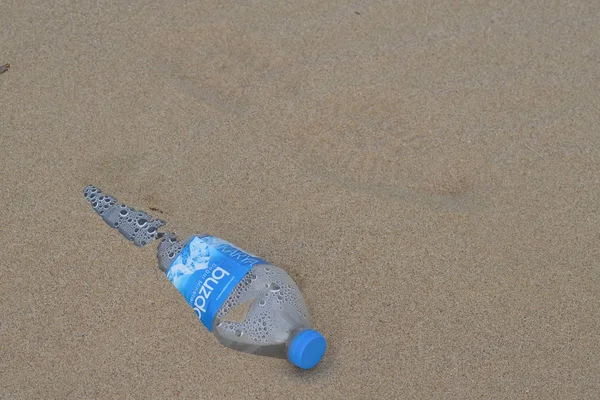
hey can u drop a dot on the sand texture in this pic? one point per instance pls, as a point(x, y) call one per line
point(427, 171)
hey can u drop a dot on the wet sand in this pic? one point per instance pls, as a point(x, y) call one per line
point(427, 172)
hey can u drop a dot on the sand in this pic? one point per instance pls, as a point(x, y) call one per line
point(428, 172)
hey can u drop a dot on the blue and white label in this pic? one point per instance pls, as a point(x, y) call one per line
point(206, 271)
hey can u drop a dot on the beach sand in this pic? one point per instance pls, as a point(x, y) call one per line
point(428, 172)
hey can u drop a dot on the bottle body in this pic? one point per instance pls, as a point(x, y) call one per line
point(276, 313)
point(274, 320)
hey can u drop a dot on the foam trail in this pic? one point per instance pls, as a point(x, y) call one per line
point(136, 226)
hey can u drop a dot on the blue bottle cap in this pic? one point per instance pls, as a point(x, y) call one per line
point(307, 349)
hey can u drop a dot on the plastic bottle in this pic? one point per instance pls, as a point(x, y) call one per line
point(215, 277)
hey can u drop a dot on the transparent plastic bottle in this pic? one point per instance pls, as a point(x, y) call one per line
point(217, 278)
